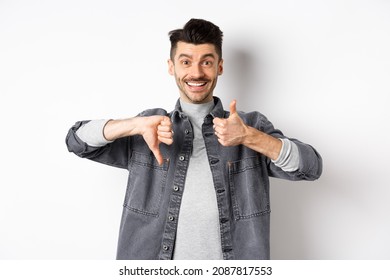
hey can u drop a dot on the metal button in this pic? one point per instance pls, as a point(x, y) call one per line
point(186, 131)
point(176, 188)
point(181, 158)
point(171, 218)
point(165, 248)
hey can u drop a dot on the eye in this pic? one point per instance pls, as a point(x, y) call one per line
point(207, 63)
point(185, 62)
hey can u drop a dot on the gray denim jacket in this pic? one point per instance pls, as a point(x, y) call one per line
point(154, 192)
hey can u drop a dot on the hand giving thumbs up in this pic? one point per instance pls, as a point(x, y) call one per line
point(230, 131)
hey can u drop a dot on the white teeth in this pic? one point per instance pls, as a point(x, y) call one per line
point(195, 84)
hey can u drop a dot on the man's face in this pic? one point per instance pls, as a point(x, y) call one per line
point(196, 69)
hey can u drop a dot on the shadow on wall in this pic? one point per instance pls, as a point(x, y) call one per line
point(240, 77)
point(244, 80)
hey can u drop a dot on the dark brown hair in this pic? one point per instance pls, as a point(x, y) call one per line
point(197, 31)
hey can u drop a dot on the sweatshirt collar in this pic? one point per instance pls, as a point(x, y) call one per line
point(216, 112)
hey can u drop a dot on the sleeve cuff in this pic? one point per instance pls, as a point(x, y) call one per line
point(92, 133)
point(288, 159)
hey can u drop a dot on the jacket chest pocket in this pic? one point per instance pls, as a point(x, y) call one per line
point(146, 184)
point(249, 188)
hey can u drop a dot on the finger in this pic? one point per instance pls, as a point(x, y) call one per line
point(165, 125)
point(222, 142)
point(165, 140)
point(165, 134)
point(158, 156)
point(165, 128)
point(233, 107)
point(166, 121)
point(219, 130)
point(218, 122)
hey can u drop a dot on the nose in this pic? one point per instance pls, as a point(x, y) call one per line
point(196, 71)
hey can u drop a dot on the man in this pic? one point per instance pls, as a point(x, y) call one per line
point(198, 184)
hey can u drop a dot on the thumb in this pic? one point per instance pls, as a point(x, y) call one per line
point(158, 155)
point(233, 107)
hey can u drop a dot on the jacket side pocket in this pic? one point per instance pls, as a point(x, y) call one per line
point(249, 187)
point(146, 184)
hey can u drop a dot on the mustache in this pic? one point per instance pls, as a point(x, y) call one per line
point(196, 80)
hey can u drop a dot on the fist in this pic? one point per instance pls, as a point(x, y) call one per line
point(156, 130)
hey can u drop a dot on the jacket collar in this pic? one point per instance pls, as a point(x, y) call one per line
point(216, 112)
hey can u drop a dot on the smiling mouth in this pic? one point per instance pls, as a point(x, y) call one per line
point(196, 84)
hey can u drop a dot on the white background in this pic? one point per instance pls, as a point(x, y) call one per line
point(319, 70)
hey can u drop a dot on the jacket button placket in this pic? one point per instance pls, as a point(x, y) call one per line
point(213, 153)
point(177, 190)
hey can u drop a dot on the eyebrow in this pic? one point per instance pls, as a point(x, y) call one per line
point(203, 56)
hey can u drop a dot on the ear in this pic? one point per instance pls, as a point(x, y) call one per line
point(171, 67)
point(220, 67)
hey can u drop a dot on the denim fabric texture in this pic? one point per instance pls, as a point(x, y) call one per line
point(241, 180)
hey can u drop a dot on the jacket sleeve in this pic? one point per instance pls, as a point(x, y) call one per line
point(310, 161)
point(114, 154)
